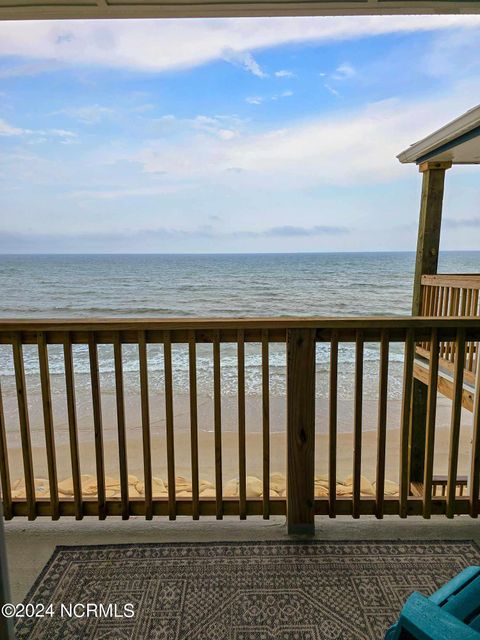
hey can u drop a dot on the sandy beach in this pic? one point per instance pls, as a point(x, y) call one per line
point(230, 448)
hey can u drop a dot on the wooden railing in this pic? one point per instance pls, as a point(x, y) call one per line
point(301, 337)
point(452, 296)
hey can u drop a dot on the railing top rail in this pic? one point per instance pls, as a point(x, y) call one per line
point(198, 324)
point(460, 280)
point(179, 329)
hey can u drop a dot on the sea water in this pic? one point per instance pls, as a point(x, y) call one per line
point(221, 285)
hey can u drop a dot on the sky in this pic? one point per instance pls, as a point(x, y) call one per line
point(230, 135)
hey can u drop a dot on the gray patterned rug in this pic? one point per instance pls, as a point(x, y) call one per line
point(237, 591)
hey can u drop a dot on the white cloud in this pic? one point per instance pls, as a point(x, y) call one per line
point(344, 71)
point(245, 60)
point(37, 135)
point(254, 100)
point(284, 73)
point(8, 130)
point(261, 99)
point(155, 45)
point(348, 148)
point(227, 134)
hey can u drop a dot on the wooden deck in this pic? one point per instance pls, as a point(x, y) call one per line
point(300, 336)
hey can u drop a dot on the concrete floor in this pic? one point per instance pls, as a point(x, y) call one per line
point(30, 544)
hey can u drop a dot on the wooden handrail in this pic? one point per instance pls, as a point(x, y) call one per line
point(462, 280)
point(226, 330)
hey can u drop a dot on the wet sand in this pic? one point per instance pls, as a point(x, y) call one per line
point(230, 449)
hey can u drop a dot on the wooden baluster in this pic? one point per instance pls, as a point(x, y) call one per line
point(455, 425)
point(433, 306)
point(300, 430)
point(167, 346)
point(405, 423)
point(476, 313)
point(97, 424)
point(455, 312)
point(425, 306)
point(48, 424)
point(440, 314)
point(466, 311)
point(4, 466)
point(217, 400)
point(192, 363)
point(358, 419)
point(446, 345)
point(266, 424)
point(382, 424)
point(146, 439)
point(122, 438)
point(470, 343)
point(463, 302)
point(430, 424)
point(242, 487)
point(72, 425)
point(475, 460)
point(24, 426)
point(332, 426)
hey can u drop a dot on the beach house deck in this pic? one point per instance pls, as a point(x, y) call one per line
point(439, 346)
point(438, 343)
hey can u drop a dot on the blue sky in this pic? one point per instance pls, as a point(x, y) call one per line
point(230, 135)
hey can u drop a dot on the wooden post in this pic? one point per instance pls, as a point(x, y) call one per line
point(300, 431)
point(426, 264)
point(6, 624)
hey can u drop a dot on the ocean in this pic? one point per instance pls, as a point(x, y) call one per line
point(323, 284)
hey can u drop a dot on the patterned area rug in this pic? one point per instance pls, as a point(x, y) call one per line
point(237, 591)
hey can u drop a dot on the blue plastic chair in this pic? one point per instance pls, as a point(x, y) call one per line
point(451, 613)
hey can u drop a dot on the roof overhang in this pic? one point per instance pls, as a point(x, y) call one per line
point(84, 9)
point(457, 142)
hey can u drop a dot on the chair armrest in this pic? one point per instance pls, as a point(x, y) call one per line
point(425, 620)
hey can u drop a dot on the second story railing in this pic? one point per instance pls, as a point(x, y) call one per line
point(455, 295)
point(46, 359)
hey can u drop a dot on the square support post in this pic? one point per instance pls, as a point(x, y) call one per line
point(300, 431)
point(426, 263)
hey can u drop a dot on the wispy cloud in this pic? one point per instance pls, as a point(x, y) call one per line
point(29, 69)
point(9, 130)
point(155, 45)
point(256, 100)
point(344, 71)
point(147, 239)
point(290, 231)
point(331, 89)
point(284, 73)
point(245, 60)
point(89, 114)
point(36, 135)
point(363, 141)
